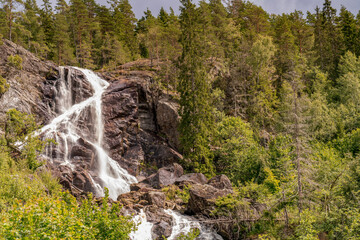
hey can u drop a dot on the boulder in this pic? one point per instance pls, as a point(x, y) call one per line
point(155, 198)
point(220, 182)
point(165, 176)
point(191, 178)
point(168, 120)
point(162, 222)
point(139, 186)
point(203, 197)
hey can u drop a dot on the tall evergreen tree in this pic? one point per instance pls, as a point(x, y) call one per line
point(262, 95)
point(328, 42)
point(348, 26)
point(196, 114)
point(10, 7)
point(124, 22)
point(81, 35)
point(63, 53)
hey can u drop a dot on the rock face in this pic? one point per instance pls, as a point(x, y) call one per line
point(134, 123)
point(168, 119)
point(140, 134)
point(26, 84)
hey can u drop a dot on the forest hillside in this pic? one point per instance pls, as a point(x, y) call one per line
point(262, 110)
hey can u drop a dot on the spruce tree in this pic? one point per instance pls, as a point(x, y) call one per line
point(348, 26)
point(197, 121)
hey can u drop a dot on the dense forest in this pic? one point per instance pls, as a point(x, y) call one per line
point(272, 101)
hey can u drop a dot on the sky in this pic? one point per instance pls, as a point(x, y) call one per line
point(271, 6)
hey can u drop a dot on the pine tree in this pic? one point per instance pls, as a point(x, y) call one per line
point(302, 32)
point(196, 114)
point(124, 22)
point(30, 20)
point(10, 7)
point(63, 53)
point(81, 34)
point(287, 50)
point(328, 43)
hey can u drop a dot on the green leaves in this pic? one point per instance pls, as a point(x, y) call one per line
point(197, 122)
point(61, 217)
point(19, 138)
point(237, 153)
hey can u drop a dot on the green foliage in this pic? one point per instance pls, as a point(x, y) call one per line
point(197, 123)
point(15, 61)
point(192, 235)
point(270, 100)
point(21, 140)
point(18, 186)
point(172, 192)
point(271, 182)
point(50, 182)
point(61, 218)
point(238, 155)
point(4, 86)
point(306, 230)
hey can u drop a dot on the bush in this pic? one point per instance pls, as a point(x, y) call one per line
point(62, 218)
point(4, 86)
point(20, 140)
point(18, 186)
point(237, 154)
point(15, 61)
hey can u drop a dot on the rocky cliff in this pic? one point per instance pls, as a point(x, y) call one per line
point(26, 84)
point(139, 132)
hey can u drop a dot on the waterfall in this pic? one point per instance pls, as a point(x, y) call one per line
point(184, 224)
point(144, 227)
point(84, 121)
point(66, 131)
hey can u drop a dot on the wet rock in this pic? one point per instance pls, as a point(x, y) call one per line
point(161, 155)
point(82, 180)
point(80, 151)
point(162, 222)
point(132, 126)
point(25, 92)
point(138, 186)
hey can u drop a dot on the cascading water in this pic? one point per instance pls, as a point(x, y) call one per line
point(183, 225)
point(84, 121)
point(144, 227)
point(66, 131)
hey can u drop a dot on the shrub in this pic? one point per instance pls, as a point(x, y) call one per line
point(18, 186)
point(15, 61)
point(21, 141)
point(62, 218)
point(4, 86)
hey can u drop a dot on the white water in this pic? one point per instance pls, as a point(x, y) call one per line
point(144, 227)
point(184, 224)
point(64, 129)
